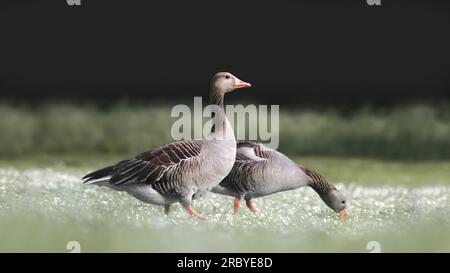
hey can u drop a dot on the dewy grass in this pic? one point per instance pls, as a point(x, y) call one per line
point(44, 209)
point(402, 132)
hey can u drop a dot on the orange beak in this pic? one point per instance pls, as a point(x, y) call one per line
point(241, 84)
point(343, 214)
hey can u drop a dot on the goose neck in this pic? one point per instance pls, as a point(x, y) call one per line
point(216, 97)
point(221, 128)
point(322, 187)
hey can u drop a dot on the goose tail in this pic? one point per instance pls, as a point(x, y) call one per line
point(99, 176)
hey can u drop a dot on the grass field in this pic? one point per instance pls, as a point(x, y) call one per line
point(393, 165)
point(403, 206)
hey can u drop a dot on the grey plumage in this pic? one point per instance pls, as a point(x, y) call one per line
point(179, 171)
point(259, 171)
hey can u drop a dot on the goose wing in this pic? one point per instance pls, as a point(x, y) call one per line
point(150, 167)
point(251, 151)
point(251, 159)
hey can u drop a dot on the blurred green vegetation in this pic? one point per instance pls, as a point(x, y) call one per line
point(414, 131)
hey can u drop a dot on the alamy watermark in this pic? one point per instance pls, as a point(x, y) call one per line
point(373, 2)
point(374, 247)
point(262, 125)
point(73, 2)
point(73, 246)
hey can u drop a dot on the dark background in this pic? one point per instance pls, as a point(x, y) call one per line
point(291, 51)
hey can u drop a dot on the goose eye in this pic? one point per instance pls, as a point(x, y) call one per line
point(227, 77)
point(343, 202)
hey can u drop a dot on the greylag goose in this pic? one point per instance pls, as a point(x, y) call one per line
point(183, 170)
point(260, 171)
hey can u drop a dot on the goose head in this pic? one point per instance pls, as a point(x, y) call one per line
point(335, 200)
point(225, 82)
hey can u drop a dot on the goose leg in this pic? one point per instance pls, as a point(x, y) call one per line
point(194, 213)
point(250, 205)
point(237, 204)
point(166, 209)
point(186, 202)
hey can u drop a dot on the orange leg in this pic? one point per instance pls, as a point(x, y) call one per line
point(237, 204)
point(192, 212)
point(250, 205)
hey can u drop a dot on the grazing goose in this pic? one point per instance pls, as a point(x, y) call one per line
point(183, 170)
point(260, 171)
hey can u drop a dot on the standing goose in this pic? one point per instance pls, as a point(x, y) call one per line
point(183, 170)
point(260, 171)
